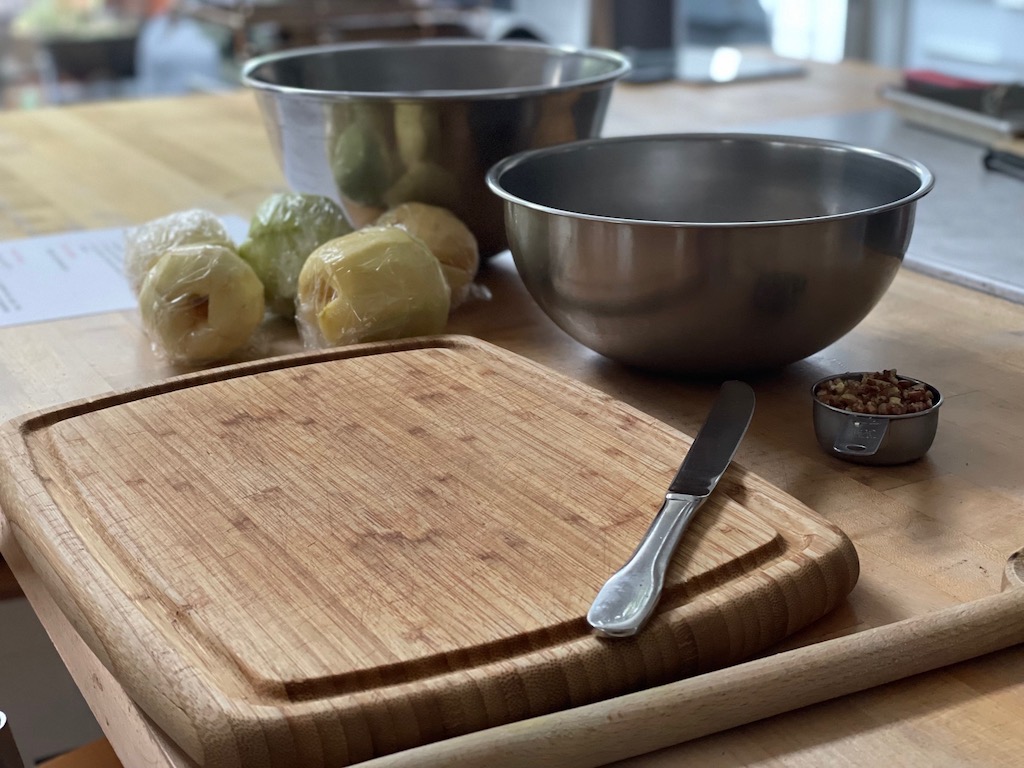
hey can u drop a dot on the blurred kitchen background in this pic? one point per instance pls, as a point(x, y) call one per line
point(67, 51)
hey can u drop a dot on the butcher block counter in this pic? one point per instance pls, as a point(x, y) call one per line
point(929, 535)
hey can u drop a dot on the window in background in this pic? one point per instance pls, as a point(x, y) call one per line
point(808, 29)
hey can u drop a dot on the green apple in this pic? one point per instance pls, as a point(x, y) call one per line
point(287, 228)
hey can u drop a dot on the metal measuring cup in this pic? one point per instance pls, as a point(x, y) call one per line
point(870, 438)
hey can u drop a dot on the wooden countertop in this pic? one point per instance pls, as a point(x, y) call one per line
point(931, 534)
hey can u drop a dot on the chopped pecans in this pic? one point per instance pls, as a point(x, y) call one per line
point(882, 393)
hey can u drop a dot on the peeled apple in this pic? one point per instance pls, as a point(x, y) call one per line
point(375, 284)
point(148, 242)
point(448, 239)
point(200, 303)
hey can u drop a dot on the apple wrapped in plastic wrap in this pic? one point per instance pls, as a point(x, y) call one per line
point(286, 228)
point(446, 237)
point(375, 284)
point(145, 244)
point(200, 303)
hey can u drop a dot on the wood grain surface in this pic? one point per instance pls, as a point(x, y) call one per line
point(672, 714)
point(929, 535)
point(357, 552)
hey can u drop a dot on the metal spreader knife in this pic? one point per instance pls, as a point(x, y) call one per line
point(628, 598)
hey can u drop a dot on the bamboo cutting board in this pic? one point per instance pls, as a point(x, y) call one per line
point(319, 559)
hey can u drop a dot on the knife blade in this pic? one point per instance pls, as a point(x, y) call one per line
point(627, 600)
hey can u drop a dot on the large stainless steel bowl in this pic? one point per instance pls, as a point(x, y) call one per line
point(708, 253)
point(375, 124)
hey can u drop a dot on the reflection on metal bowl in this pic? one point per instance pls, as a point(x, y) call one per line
point(376, 124)
point(708, 253)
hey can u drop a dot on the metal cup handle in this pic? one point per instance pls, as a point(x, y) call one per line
point(860, 435)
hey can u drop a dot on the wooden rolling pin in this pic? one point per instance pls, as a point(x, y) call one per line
point(631, 725)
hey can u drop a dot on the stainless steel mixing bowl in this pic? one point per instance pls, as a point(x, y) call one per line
point(708, 253)
point(375, 124)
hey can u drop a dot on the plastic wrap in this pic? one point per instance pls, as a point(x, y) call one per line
point(200, 303)
point(375, 284)
point(448, 239)
point(284, 231)
point(148, 242)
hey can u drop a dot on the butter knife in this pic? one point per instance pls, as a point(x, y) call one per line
point(628, 598)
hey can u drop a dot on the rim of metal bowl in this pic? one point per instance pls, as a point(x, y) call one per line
point(892, 417)
point(925, 177)
point(622, 67)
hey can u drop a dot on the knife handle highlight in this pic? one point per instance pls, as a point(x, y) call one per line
point(628, 598)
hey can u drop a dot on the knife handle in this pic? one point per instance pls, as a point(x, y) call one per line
point(628, 598)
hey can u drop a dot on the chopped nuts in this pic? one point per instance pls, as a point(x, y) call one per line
point(884, 394)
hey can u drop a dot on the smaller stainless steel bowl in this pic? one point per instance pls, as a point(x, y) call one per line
point(712, 253)
point(872, 439)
